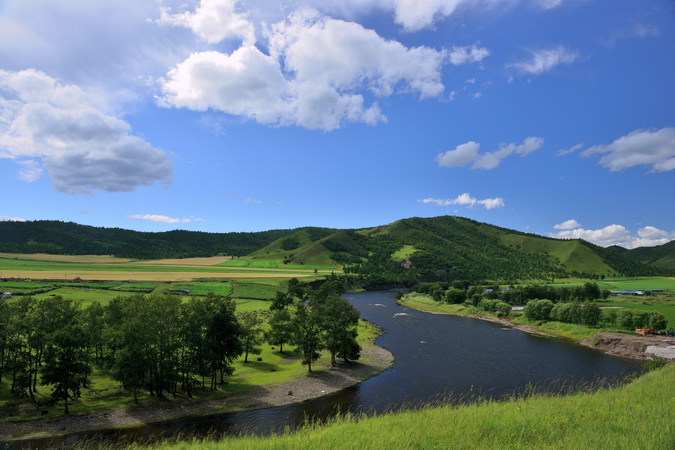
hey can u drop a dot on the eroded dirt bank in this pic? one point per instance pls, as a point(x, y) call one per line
point(631, 346)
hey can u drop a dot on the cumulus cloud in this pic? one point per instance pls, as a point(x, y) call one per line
point(61, 130)
point(312, 76)
point(213, 21)
point(466, 200)
point(11, 219)
point(467, 153)
point(619, 235)
point(251, 201)
point(567, 225)
point(651, 148)
point(158, 218)
point(542, 61)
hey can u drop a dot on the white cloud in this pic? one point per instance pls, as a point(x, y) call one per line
point(462, 155)
point(652, 148)
point(11, 219)
point(251, 201)
point(158, 218)
point(468, 153)
point(47, 126)
point(312, 77)
point(567, 151)
point(466, 200)
point(542, 61)
point(470, 54)
point(111, 45)
point(547, 4)
point(213, 21)
point(618, 235)
point(30, 170)
point(567, 225)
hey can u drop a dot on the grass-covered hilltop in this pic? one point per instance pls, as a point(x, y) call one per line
point(404, 252)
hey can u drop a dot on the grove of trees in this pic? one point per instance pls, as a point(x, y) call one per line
point(161, 344)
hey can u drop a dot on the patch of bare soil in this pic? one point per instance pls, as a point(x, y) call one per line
point(315, 384)
point(632, 346)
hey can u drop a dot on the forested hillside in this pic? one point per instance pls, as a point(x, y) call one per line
point(662, 256)
point(68, 238)
point(442, 248)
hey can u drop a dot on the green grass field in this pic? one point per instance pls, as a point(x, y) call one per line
point(639, 415)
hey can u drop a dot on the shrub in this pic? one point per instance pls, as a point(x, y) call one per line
point(567, 312)
point(538, 309)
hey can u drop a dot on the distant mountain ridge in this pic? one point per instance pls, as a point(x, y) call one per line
point(405, 251)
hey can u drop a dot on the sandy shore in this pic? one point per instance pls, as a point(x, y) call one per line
point(331, 379)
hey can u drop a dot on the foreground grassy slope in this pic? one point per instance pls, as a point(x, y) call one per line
point(637, 415)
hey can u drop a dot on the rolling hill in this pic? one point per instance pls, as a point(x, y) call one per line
point(405, 251)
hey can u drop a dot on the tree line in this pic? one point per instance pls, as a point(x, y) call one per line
point(162, 344)
point(568, 304)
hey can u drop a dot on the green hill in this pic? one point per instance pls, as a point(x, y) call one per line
point(442, 248)
point(662, 256)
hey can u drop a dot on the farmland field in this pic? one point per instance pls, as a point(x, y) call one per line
point(66, 268)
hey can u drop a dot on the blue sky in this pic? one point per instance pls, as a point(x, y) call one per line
point(555, 117)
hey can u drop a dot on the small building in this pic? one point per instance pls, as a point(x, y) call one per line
point(5, 295)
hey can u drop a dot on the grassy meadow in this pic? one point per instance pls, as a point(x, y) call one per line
point(635, 415)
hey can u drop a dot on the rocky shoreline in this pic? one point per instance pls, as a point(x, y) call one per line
point(315, 384)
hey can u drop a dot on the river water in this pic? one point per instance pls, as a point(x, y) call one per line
point(437, 358)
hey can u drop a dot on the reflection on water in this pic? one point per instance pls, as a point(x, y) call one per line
point(438, 358)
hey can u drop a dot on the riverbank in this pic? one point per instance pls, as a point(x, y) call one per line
point(615, 344)
point(321, 382)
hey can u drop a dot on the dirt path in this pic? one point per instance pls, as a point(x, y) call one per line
point(313, 385)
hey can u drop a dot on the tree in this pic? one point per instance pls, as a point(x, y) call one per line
point(307, 335)
point(538, 309)
point(280, 328)
point(455, 296)
point(568, 312)
point(296, 289)
point(590, 314)
point(339, 320)
point(66, 367)
point(281, 301)
point(223, 337)
point(591, 291)
point(251, 333)
point(657, 321)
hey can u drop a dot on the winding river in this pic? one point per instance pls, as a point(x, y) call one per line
point(438, 358)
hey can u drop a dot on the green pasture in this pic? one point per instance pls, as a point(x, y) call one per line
point(223, 288)
point(31, 269)
point(625, 284)
point(255, 290)
point(249, 263)
point(84, 296)
point(621, 284)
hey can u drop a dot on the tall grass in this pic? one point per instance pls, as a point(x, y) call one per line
point(640, 415)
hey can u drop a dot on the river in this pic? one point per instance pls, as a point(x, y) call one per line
point(437, 358)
